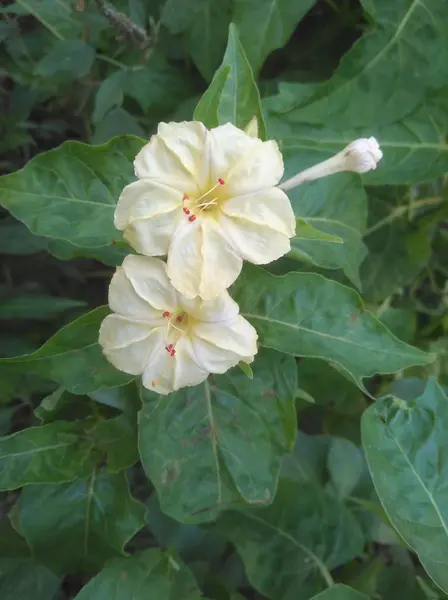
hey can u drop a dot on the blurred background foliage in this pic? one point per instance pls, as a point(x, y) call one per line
point(91, 70)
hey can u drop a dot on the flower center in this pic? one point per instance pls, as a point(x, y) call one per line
point(205, 203)
point(176, 327)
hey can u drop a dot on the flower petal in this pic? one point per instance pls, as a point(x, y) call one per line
point(187, 371)
point(268, 207)
point(218, 309)
point(126, 344)
point(201, 261)
point(159, 162)
point(124, 300)
point(158, 375)
point(257, 244)
point(145, 199)
point(188, 141)
point(219, 346)
point(245, 163)
point(150, 281)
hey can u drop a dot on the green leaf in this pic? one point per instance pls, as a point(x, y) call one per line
point(290, 547)
point(340, 592)
point(414, 148)
point(148, 574)
point(304, 314)
point(265, 25)
point(233, 96)
point(72, 357)
point(51, 453)
point(36, 307)
point(117, 123)
point(337, 207)
point(109, 94)
point(69, 58)
point(223, 439)
point(204, 25)
point(397, 249)
point(345, 465)
point(386, 73)
point(63, 451)
point(405, 445)
point(400, 321)
point(27, 580)
point(70, 193)
point(78, 526)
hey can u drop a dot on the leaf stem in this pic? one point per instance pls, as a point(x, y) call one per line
point(399, 211)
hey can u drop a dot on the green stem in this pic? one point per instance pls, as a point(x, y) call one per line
point(400, 211)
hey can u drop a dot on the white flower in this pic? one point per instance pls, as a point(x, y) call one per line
point(359, 156)
point(171, 340)
point(207, 199)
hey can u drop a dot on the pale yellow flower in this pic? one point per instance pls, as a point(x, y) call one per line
point(208, 200)
point(172, 341)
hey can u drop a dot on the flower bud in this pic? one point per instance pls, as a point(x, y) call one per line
point(362, 155)
point(359, 156)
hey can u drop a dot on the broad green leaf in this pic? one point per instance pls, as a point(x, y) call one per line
point(233, 96)
point(63, 451)
point(78, 526)
point(398, 249)
point(70, 193)
point(27, 580)
point(340, 591)
point(32, 306)
point(51, 453)
point(72, 357)
point(304, 314)
point(148, 574)
point(345, 465)
point(125, 398)
point(290, 547)
point(402, 322)
point(414, 148)
point(337, 207)
point(265, 25)
point(307, 462)
point(203, 24)
point(223, 439)
point(405, 445)
point(71, 59)
point(386, 73)
point(191, 542)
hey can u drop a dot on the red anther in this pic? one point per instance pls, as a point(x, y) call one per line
point(172, 352)
point(169, 347)
point(153, 383)
point(186, 196)
point(221, 181)
point(166, 314)
point(179, 318)
point(192, 218)
point(186, 211)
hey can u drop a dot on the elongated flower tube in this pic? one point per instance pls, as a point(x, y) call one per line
point(170, 340)
point(359, 156)
point(208, 200)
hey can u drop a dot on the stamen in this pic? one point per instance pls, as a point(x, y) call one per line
point(166, 314)
point(205, 204)
point(220, 182)
point(154, 382)
point(172, 352)
point(192, 218)
point(179, 318)
point(186, 211)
